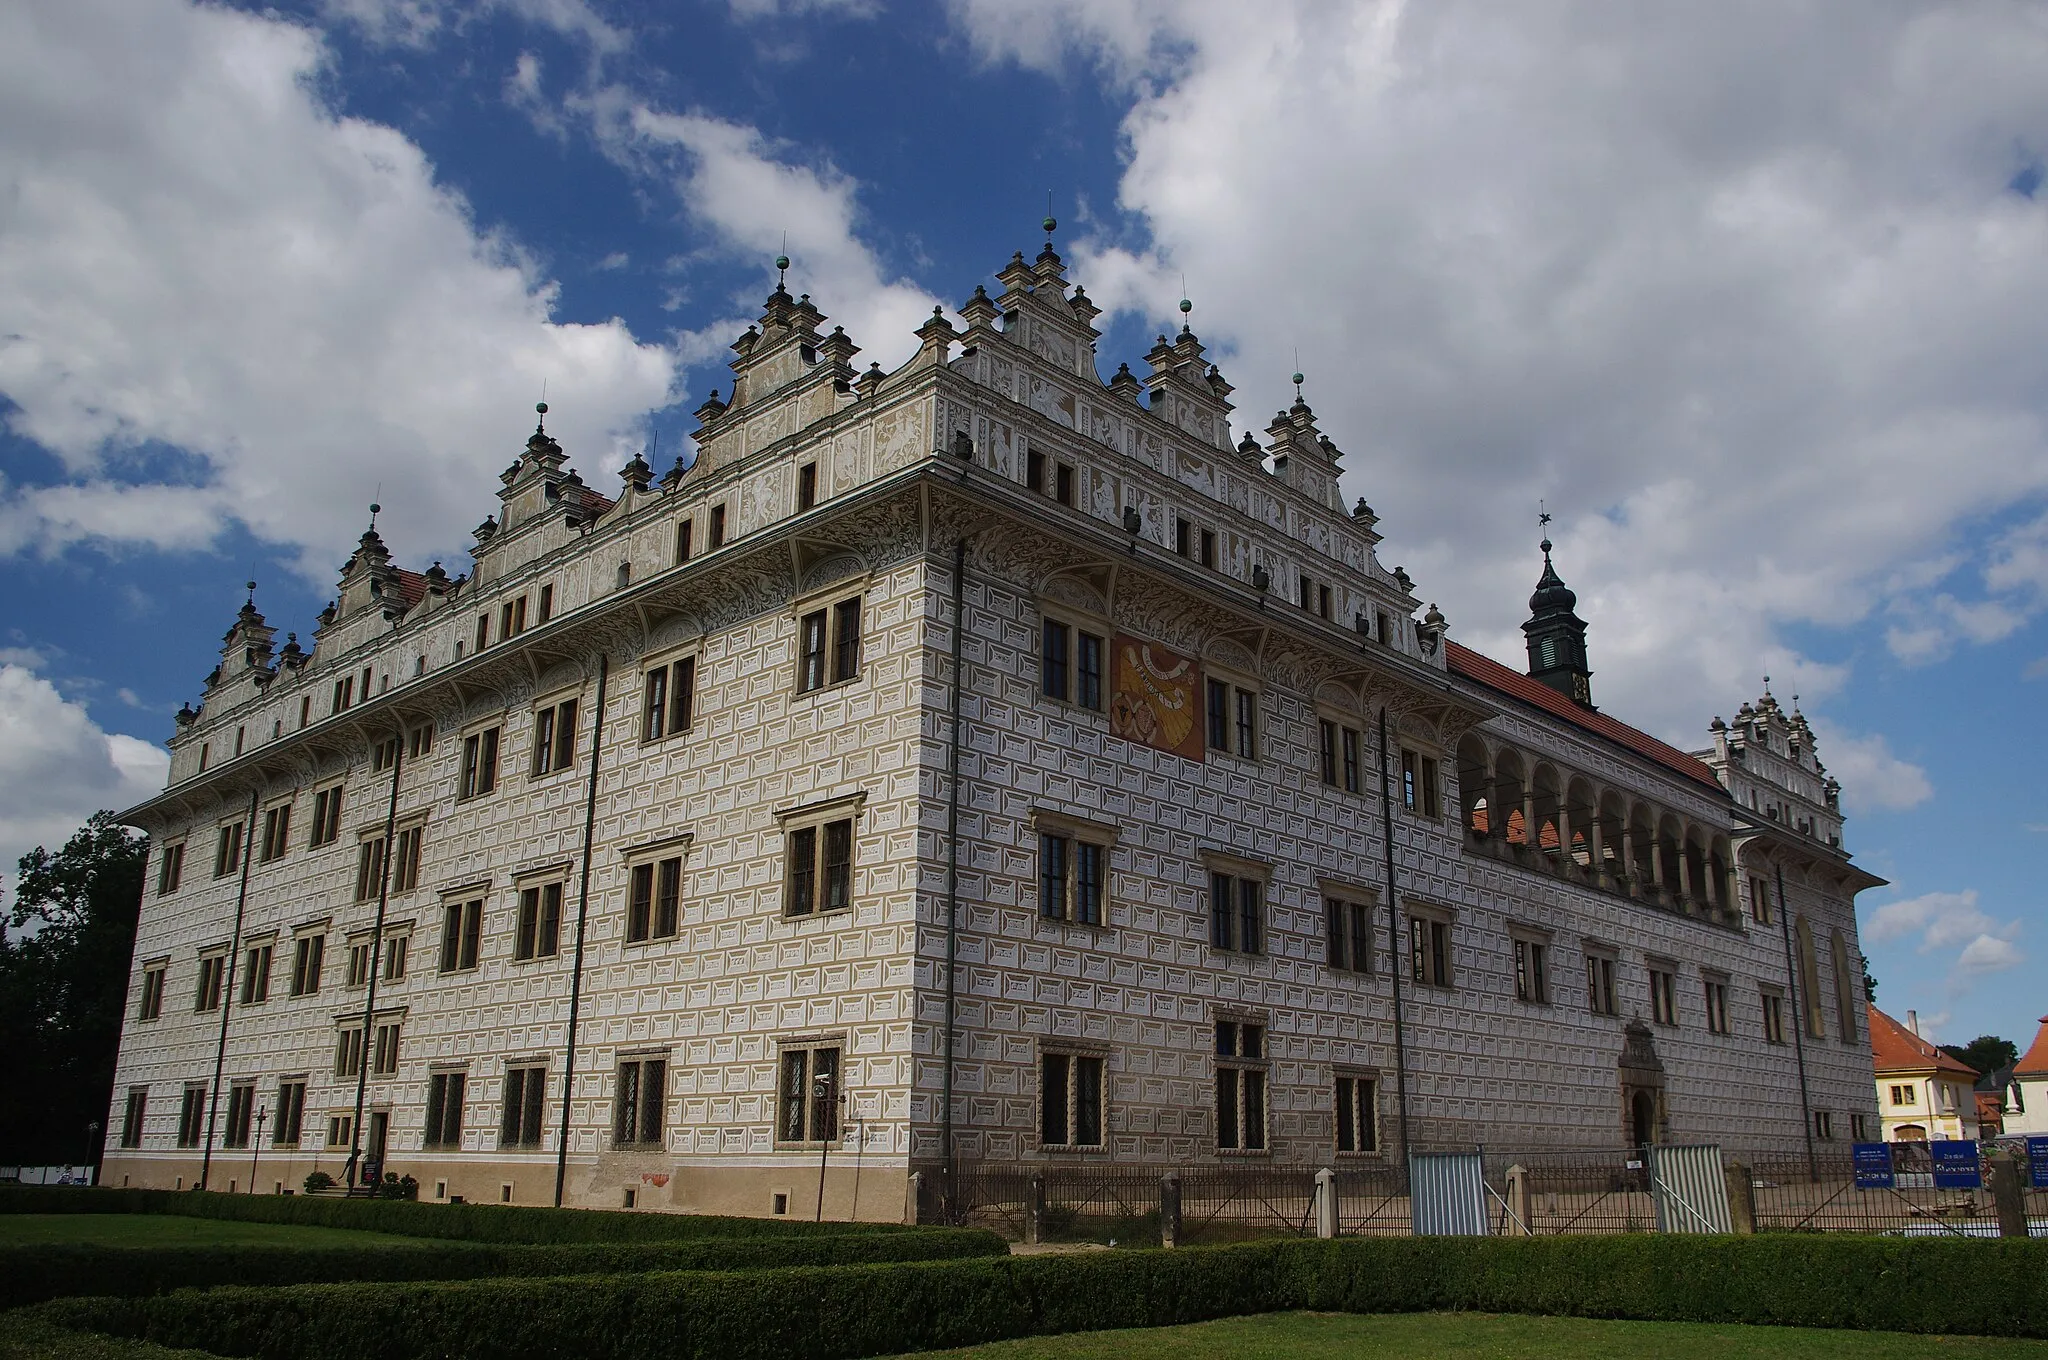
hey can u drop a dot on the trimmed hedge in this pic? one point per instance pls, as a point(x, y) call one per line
point(26, 1338)
point(34, 1274)
point(462, 1222)
point(832, 1313)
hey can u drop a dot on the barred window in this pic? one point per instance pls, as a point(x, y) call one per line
point(808, 1097)
point(444, 1109)
point(1358, 1114)
point(1070, 1100)
point(1240, 1086)
point(525, 1098)
point(642, 1094)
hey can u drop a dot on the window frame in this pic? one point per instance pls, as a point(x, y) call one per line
point(1714, 997)
point(192, 1115)
point(530, 923)
point(1227, 923)
point(156, 976)
point(1603, 993)
point(1422, 782)
point(326, 827)
point(483, 750)
point(170, 867)
point(230, 845)
point(1069, 1060)
point(668, 697)
point(648, 1120)
point(258, 958)
point(462, 931)
point(134, 1116)
point(212, 981)
point(527, 1112)
point(1353, 1106)
point(554, 734)
point(1247, 1078)
point(309, 960)
point(663, 919)
point(1771, 1005)
point(819, 1122)
point(1531, 964)
point(277, 832)
point(1345, 907)
point(406, 860)
point(291, 1112)
point(1067, 679)
point(447, 1094)
point(715, 535)
point(1241, 699)
point(806, 835)
point(1662, 975)
point(1073, 835)
point(1431, 951)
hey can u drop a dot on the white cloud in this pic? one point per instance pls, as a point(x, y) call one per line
point(1742, 293)
point(1945, 921)
point(57, 767)
point(1989, 954)
point(417, 23)
point(198, 253)
point(1871, 776)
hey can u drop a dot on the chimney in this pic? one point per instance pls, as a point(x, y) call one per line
point(1913, 1022)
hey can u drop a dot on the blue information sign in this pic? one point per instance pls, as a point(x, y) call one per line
point(1955, 1164)
point(2037, 1160)
point(1874, 1166)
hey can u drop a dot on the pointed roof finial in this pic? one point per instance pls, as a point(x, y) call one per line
point(1297, 379)
point(1543, 518)
point(782, 261)
point(1185, 305)
point(1051, 223)
point(252, 594)
point(1767, 687)
point(374, 510)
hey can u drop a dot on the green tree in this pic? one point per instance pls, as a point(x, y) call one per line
point(1987, 1053)
point(63, 989)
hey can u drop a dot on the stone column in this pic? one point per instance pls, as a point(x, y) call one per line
point(1596, 847)
point(1532, 839)
point(1034, 1210)
point(1169, 1211)
point(1741, 1196)
point(1564, 836)
point(2002, 1178)
point(1684, 876)
point(1628, 859)
point(1521, 1202)
point(1326, 1203)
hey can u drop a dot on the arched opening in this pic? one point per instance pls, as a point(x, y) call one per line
point(1473, 767)
point(1507, 796)
point(1547, 800)
point(1582, 816)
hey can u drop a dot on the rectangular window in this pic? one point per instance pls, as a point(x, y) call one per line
point(369, 869)
point(1600, 997)
point(845, 640)
point(1859, 1128)
point(820, 867)
point(395, 951)
point(1063, 484)
point(348, 1052)
point(654, 905)
point(1034, 470)
point(668, 699)
point(1183, 537)
point(525, 1099)
point(326, 817)
point(806, 486)
point(1351, 760)
point(307, 953)
point(241, 1115)
point(1663, 997)
point(170, 869)
point(1429, 951)
point(1208, 547)
point(384, 1055)
point(291, 1113)
point(1327, 748)
point(1419, 783)
point(1240, 1086)
point(1358, 1114)
point(811, 649)
point(405, 869)
point(483, 631)
point(1247, 723)
point(213, 971)
point(1323, 601)
point(1715, 992)
point(357, 973)
point(256, 975)
point(277, 830)
point(1069, 1100)
point(1070, 879)
point(1532, 972)
point(1774, 1018)
point(1233, 719)
point(444, 1109)
point(547, 603)
point(479, 763)
point(642, 1094)
point(1760, 901)
point(1307, 594)
point(1347, 935)
point(685, 532)
point(344, 693)
point(554, 737)
point(539, 934)
point(808, 1096)
point(192, 1117)
point(1236, 913)
point(132, 1116)
point(717, 534)
point(462, 933)
point(227, 850)
point(383, 755)
point(512, 621)
point(340, 1129)
point(1071, 664)
point(305, 709)
point(152, 991)
point(1823, 1126)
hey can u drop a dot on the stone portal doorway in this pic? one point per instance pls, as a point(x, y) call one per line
point(1642, 1122)
point(1643, 1111)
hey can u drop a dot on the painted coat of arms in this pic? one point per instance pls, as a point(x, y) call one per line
point(1158, 698)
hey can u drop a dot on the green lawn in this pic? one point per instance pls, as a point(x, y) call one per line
point(168, 1230)
point(1485, 1336)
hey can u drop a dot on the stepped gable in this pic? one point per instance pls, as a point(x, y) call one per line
point(1894, 1048)
point(1490, 673)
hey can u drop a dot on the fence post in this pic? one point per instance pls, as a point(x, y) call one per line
point(913, 1208)
point(1520, 1205)
point(1169, 1210)
point(1326, 1203)
point(1741, 1196)
point(2003, 1175)
point(1034, 1209)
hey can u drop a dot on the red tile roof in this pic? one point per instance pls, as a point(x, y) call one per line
point(1490, 673)
point(1894, 1048)
point(412, 586)
point(2034, 1062)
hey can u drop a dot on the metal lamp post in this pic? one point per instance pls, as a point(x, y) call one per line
point(92, 1151)
point(822, 1094)
point(256, 1144)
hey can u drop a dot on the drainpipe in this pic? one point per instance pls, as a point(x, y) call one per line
point(1798, 1025)
point(227, 996)
point(1394, 941)
point(953, 861)
point(582, 924)
point(355, 1151)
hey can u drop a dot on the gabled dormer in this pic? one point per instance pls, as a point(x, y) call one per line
point(365, 575)
point(781, 359)
point(245, 652)
point(1303, 456)
point(1188, 391)
point(533, 483)
point(1038, 316)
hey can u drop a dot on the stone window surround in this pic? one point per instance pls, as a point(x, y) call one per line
point(842, 1095)
point(631, 857)
point(797, 817)
point(1071, 1047)
point(1528, 932)
point(828, 598)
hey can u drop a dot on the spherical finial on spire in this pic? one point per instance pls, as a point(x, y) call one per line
point(1186, 306)
point(1051, 224)
point(540, 407)
point(781, 263)
point(1297, 380)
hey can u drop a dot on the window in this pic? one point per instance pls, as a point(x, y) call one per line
point(820, 867)
point(1846, 989)
point(547, 603)
point(419, 741)
point(1338, 755)
point(340, 1127)
point(1183, 537)
point(1532, 971)
point(1069, 1100)
point(1034, 470)
point(1600, 997)
point(358, 972)
point(405, 869)
point(525, 1099)
point(345, 693)
point(370, 869)
point(383, 755)
point(1323, 601)
point(539, 933)
point(277, 830)
point(717, 534)
point(241, 1114)
point(1429, 951)
point(512, 618)
point(1208, 547)
point(654, 901)
point(153, 976)
point(1233, 718)
point(479, 763)
point(213, 970)
point(227, 850)
point(132, 1116)
point(1358, 1114)
point(1809, 979)
point(1063, 484)
point(192, 1117)
point(483, 631)
point(291, 1112)
point(205, 750)
point(1070, 664)
point(305, 709)
point(1327, 750)
point(348, 1052)
point(326, 817)
point(384, 1056)
point(1347, 935)
point(668, 702)
point(636, 1118)
point(806, 486)
point(1240, 1086)
point(395, 950)
point(1419, 784)
point(1823, 1125)
point(1859, 1127)
point(1714, 991)
point(685, 531)
point(829, 639)
point(444, 1109)
point(809, 1096)
point(1236, 913)
point(256, 975)
point(1774, 1017)
point(462, 933)
point(1071, 871)
point(554, 737)
point(170, 869)
point(1663, 995)
point(1760, 901)
point(1904, 1095)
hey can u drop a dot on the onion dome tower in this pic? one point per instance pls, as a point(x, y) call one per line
point(1557, 635)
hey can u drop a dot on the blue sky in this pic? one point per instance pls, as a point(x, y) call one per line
point(1751, 299)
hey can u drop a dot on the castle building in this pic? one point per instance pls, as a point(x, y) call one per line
point(976, 761)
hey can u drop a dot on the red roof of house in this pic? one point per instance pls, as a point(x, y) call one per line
point(1490, 673)
point(1894, 1048)
point(412, 586)
point(2034, 1062)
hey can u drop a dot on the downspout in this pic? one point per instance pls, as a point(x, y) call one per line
point(227, 996)
point(582, 923)
point(355, 1151)
point(1798, 1025)
point(1394, 943)
point(953, 862)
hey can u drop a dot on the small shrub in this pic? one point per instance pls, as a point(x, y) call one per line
point(318, 1182)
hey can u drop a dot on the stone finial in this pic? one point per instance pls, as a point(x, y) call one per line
point(636, 475)
point(1125, 385)
point(936, 337)
point(979, 311)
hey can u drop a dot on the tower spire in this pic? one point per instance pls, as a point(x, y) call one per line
point(1556, 634)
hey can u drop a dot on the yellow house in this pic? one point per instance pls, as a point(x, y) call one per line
point(1923, 1094)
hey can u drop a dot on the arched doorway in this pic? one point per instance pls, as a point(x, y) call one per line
point(1642, 1119)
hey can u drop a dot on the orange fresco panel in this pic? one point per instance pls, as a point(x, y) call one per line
point(1158, 698)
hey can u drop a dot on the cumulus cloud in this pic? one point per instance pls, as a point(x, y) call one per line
point(198, 253)
point(1871, 776)
point(58, 767)
point(1720, 285)
point(1942, 921)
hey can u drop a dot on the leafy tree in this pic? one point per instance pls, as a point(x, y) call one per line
point(63, 989)
point(1869, 982)
point(1987, 1053)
